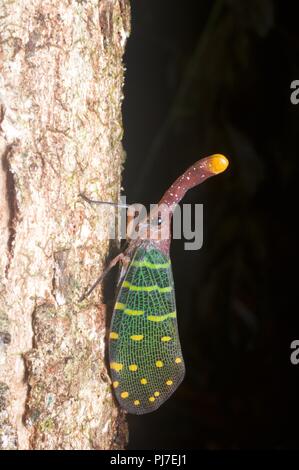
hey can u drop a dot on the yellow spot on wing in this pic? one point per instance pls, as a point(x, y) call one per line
point(136, 402)
point(147, 264)
point(133, 367)
point(151, 399)
point(115, 384)
point(128, 311)
point(132, 287)
point(116, 366)
point(169, 382)
point(113, 335)
point(137, 337)
point(143, 381)
point(157, 394)
point(161, 317)
point(124, 394)
point(166, 338)
point(159, 364)
point(178, 360)
point(119, 306)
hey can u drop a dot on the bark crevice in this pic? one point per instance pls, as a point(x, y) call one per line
point(11, 199)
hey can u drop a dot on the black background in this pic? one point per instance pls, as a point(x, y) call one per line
point(214, 77)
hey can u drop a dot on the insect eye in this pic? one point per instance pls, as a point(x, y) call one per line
point(157, 221)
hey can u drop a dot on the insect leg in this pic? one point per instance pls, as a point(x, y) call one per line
point(121, 257)
point(92, 201)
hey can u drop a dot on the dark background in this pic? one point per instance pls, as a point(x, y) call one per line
point(206, 77)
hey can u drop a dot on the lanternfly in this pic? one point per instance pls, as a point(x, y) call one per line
point(146, 361)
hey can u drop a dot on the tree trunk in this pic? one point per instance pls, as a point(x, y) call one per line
point(61, 80)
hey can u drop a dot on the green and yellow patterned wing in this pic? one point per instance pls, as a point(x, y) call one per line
point(146, 361)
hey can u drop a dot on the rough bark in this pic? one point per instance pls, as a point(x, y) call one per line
point(61, 77)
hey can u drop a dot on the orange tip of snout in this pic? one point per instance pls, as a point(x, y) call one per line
point(218, 163)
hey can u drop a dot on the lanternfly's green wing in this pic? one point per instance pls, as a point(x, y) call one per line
point(145, 354)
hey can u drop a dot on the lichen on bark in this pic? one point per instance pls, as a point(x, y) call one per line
point(61, 78)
